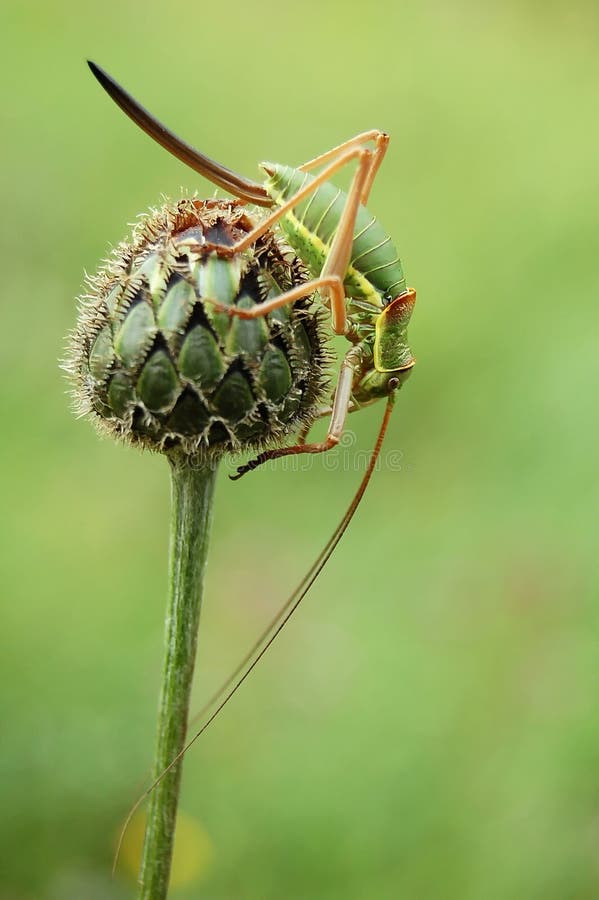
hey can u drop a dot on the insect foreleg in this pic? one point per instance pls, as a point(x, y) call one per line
point(304, 431)
point(341, 405)
point(381, 142)
point(323, 412)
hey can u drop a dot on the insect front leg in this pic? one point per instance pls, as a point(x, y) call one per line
point(323, 412)
point(304, 431)
point(341, 405)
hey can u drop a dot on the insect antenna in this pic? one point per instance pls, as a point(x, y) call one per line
point(218, 174)
point(230, 687)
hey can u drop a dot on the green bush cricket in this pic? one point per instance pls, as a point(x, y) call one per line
point(354, 263)
point(358, 274)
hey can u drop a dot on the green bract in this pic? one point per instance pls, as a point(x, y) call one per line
point(156, 364)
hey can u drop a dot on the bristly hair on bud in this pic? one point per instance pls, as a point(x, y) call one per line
point(155, 364)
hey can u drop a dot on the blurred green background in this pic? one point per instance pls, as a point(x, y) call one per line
point(427, 727)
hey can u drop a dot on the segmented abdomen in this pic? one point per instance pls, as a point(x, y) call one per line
point(310, 230)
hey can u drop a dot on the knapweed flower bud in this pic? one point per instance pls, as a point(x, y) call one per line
point(157, 364)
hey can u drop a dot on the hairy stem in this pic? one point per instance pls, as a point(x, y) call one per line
point(192, 491)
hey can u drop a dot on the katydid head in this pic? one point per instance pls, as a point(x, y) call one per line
point(376, 385)
point(393, 359)
point(392, 354)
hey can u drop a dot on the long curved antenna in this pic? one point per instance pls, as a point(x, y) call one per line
point(241, 187)
point(304, 585)
point(274, 628)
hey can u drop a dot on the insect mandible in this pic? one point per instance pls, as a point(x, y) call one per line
point(354, 264)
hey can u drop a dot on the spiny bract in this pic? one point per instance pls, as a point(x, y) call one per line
point(157, 365)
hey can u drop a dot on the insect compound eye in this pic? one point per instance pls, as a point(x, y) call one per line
point(393, 384)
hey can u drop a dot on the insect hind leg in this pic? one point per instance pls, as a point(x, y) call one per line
point(381, 142)
point(272, 218)
point(333, 284)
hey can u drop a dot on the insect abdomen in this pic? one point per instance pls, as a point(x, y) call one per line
point(374, 256)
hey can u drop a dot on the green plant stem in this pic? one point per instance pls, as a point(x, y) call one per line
point(192, 492)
